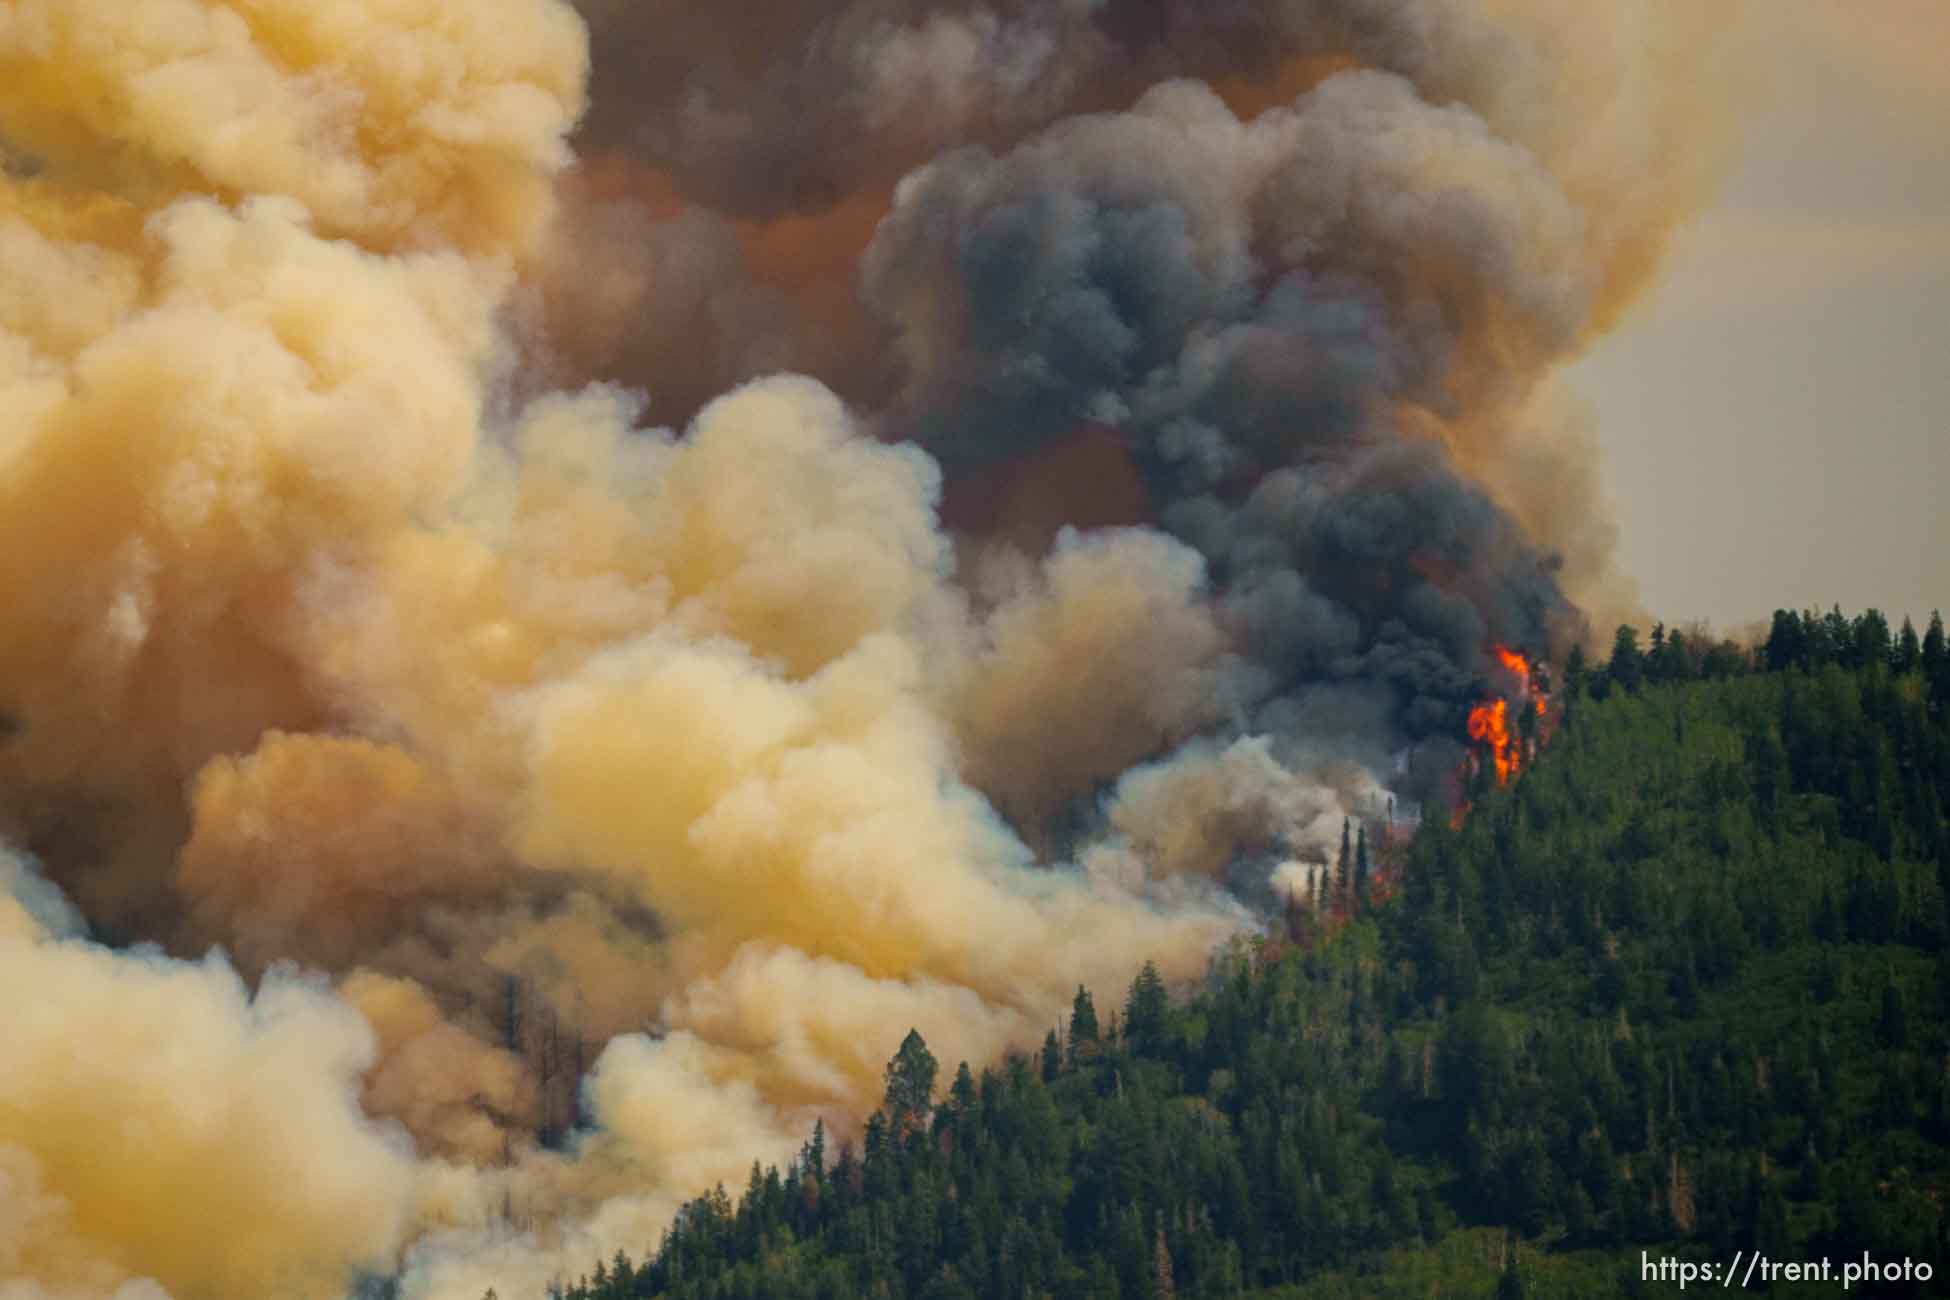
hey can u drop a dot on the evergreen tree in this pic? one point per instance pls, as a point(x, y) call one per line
point(1936, 656)
point(1722, 660)
point(1675, 662)
point(1909, 649)
point(910, 1084)
point(1817, 651)
point(961, 1093)
point(1084, 1033)
point(812, 1158)
point(1838, 634)
point(1363, 871)
point(1873, 644)
point(1145, 1011)
point(1627, 666)
point(1344, 864)
point(1575, 670)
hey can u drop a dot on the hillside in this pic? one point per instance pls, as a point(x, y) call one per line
point(1680, 987)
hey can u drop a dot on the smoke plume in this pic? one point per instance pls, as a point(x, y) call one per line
point(488, 755)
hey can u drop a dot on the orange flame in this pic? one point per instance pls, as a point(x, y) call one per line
point(1520, 666)
point(1489, 724)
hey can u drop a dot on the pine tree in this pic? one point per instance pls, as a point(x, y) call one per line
point(910, 1084)
point(846, 1166)
point(1627, 666)
point(961, 1093)
point(1083, 1017)
point(1145, 1010)
point(1084, 1033)
point(1872, 640)
point(1838, 630)
point(1815, 649)
point(1787, 642)
point(1936, 656)
point(1909, 648)
point(813, 1157)
point(1344, 865)
point(1675, 665)
point(1363, 872)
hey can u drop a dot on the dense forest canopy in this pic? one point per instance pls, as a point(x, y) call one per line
point(1680, 988)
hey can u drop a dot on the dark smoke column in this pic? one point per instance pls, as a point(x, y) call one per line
point(1278, 316)
point(1288, 280)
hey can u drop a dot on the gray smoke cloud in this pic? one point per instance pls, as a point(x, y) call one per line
point(531, 759)
point(1257, 306)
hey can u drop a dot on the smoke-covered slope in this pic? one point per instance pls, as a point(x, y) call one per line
point(1680, 994)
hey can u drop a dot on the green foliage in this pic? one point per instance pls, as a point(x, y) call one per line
point(910, 1084)
point(1083, 1020)
point(1627, 661)
point(1364, 864)
point(1146, 1012)
point(1681, 988)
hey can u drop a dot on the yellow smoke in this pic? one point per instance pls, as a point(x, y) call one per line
point(409, 124)
point(158, 1121)
point(1129, 604)
point(532, 730)
point(529, 727)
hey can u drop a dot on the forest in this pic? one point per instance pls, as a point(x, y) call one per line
point(1679, 989)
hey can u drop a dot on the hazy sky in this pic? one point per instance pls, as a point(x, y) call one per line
point(1776, 415)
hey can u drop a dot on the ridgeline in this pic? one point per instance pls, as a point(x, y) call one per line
point(1680, 988)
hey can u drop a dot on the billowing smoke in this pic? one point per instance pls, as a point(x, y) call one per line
point(146, 1103)
point(490, 757)
point(1120, 263)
